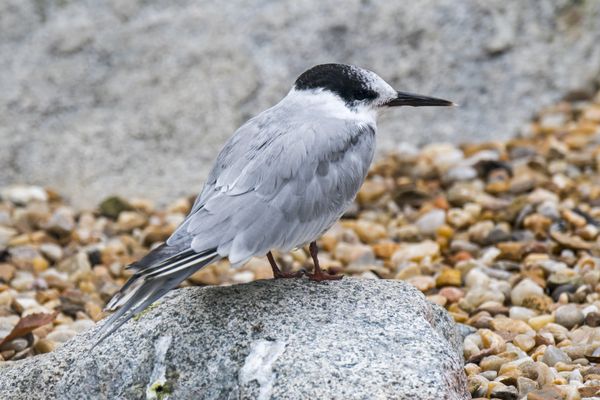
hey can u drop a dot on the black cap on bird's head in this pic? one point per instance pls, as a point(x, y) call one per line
point(356, 86)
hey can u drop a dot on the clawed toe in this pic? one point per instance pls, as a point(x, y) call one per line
point(279, 274)
point(323, 276)
point(319, 275)
point(288, 275)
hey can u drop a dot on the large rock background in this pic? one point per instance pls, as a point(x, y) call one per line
point(136, 96)
point(280, 340)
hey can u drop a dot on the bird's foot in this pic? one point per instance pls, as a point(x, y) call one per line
point(287, 275)
point(278, 273)
point(320, 276)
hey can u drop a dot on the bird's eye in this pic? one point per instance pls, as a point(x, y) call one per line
point(365, 94)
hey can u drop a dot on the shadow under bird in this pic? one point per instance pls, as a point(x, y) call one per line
point(283, 179)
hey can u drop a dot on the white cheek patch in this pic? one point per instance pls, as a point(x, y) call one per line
point(386, 92)
point(328, 104)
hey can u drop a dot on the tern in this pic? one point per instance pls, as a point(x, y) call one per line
point(282, 180)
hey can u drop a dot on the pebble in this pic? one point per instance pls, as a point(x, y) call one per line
point(385, 250)
point(510, 326)
point(61, 336)
point(82, 325)
point(25, 303)
point(489, 375)
point(23, 280)
point(93, 310)
point(112, 206)
point(493, 363)
point(205, 276)
point(593, 319)
point(563, 289)
point(6, 299)
point(369, 232)
point(127, 221)
point(44, 346)
point(448, 277)
point(438, 299)
point(504, 392)
point(521, 313)
point(22, 195)
point(554, 355)
point(524, 289)
point(540, 321)
point(452, 294)
point(415, 252)
point(51, 251)
point(569, 316)
point(16, 345)
point(6, 234)
point(354, 253)
point(430, 222)
point(460, 173)
point(243, 277)
point(480, 231)
point(524, 342)
point(459, 218)
point(492, 341)
point(477, 385)
point(8, 322)
point(7, 272)
point(476, 277)
point(60, 223)
point(442, 155)
point(477, 296)
point(525, 386)
point(423, 283)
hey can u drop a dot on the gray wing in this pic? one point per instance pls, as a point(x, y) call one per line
point(277, 186)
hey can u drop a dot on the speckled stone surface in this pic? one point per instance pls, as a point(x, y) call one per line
point(287, 339)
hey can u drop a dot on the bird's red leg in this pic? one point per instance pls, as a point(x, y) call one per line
point(318, 274)
point(277, 273)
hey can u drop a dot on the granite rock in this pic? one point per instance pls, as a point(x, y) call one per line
point(351, 339)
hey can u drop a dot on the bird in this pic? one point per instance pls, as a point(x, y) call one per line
point(282, 180)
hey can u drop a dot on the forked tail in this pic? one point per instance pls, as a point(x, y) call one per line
point(149, 283)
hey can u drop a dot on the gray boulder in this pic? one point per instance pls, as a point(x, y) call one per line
point(292, 339)
point(134, 97)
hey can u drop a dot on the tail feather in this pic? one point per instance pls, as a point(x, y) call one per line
point(160, 255)
point(145, 272)
point(150, 283)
